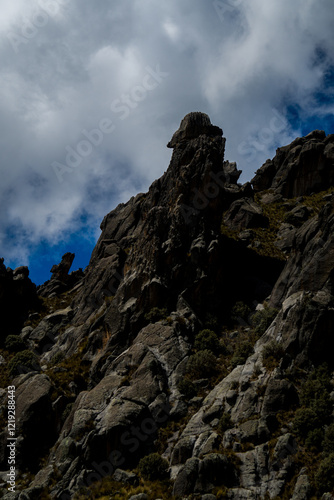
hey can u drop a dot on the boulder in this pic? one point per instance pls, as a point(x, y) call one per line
point(123, 476)
point(21, 273)
point(186, 478)
point(245, 214)
point(34, 417)
point(303, 489)
point(44, 335)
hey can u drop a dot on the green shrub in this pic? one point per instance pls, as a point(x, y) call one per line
point(202, 364)
point(305, 421)
point(328, 442)
point(156, 314)
point(14, 343)
point(187, 388)
point(261, 320)
point(241, 353)
point(241, 311)
point(272, 353)
point(23, 362)
point(225, 423)
point(324, 478)
point(317, 387)
point(207, 340)
point(153, 467)
point(314, 439)
point(57, 358)
point(211, 322)
point(315, 393)
point(310, 420)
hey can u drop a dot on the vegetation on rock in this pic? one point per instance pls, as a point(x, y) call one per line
point(153, 467)
point(207, 340)
point(23, 362)
point(202, 364)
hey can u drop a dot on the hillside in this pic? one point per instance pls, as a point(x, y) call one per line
point(200, 336)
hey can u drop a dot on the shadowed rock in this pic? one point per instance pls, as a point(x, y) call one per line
point(304, 166)
point(60, 280)
point(193, 125)
point(60, 271)
point(170, 264)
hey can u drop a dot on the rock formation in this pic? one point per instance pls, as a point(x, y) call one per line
point(61, 281)
point(302, 168)
point(198, 341)
point(17, 297)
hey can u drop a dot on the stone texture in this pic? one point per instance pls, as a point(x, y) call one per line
point(311, 265)
point(17, 296)
point(61, 281)
point(162, 270)
point(301, 168)
point(123, 476)
point(245, 214)
point(192, 126)
point(302, 489)
point(34, 417)
point(187, 477)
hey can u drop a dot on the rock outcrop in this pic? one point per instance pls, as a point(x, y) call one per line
point(303, 167)
point(199, 334)
point(61, 281)
point(17, 297)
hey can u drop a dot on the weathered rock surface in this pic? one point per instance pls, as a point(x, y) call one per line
point(303, 167)
point(197, 251)
point(17, 296)
point(34, 419)
point(192, 126)
point(245, 214)
point(310, 267)
point(61, 281)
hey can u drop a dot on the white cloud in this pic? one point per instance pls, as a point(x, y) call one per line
point(243, 68)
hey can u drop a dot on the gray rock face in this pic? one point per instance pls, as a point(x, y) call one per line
point(60, 271)
point(44, 335)
point(302, 489)
point(245, 214)
point(303, 167)
point(311, 265)
point(17, 296)
point(201, 476)
point(34, 417)
point(61, 281)
point(140, 496)
point(170, 263)
point(193, 125)
point(21, 273)
point(122, 476)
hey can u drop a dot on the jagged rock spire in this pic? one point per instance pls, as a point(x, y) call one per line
point(193, 125)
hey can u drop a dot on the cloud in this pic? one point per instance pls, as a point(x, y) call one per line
point(67, 67)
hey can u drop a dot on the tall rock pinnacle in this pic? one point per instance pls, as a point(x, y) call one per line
point(193, 125)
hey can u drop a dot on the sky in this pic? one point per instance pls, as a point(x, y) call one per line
point(92, 91)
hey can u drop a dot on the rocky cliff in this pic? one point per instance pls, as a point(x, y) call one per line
point(193, 356)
